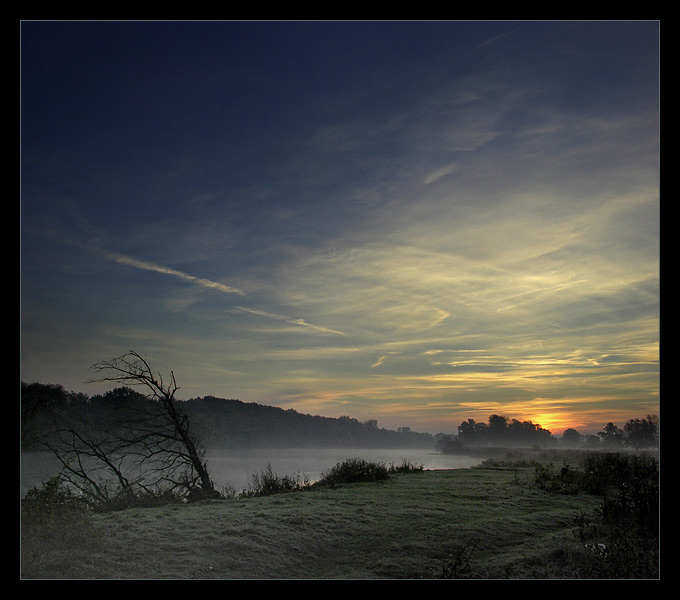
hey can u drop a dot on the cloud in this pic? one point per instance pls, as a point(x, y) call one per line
point(148, 266)
point(213, 285)
point(549, 294)
point(315, 327)
point(439, 173)
point(382, 359)
point(300, 322)
point(492, 40)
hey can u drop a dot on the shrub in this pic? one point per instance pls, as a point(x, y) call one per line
point(354, 470)
point(626, 524)
point(615, 550)
point(546, 478)
point(629, 485)
point(268, 482)
point(53, 501)
point(54, 524)
point(406, 466)
point(567, 481)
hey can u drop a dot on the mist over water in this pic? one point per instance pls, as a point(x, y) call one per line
point(234, 468)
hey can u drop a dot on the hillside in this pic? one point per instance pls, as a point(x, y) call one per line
point(236, 424)
point(218, 422)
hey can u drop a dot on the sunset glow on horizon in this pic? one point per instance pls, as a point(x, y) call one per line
point(413, 222)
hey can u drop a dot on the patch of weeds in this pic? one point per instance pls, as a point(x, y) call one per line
point(268, 482)
point(406, 466)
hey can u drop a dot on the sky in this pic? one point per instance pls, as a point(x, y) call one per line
point(413, 222)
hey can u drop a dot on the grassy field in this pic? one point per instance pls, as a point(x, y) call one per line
point(486, 522)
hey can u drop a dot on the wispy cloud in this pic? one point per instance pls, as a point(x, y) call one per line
point(492, 40)
point(439, 173)
point(149, 266)
point(213, 285)
point(382, 359)
point(292, 321)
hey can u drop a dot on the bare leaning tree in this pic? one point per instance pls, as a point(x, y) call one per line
point(147, 447)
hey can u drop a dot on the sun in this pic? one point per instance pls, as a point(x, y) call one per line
point(556, 423)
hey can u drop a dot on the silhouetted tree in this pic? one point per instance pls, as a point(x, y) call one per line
point(592, 441)
point(497, 430)
point(471, 432)
point(642, 433)
point(611, 435)
point(571, 437)
point(501, 432)
point(440, 441)
point(145, 443)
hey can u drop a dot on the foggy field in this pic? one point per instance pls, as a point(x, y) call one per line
point(399, 528)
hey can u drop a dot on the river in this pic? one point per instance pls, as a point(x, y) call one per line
point(235, 468)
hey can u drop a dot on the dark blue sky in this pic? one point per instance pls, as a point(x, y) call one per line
point(316, 214)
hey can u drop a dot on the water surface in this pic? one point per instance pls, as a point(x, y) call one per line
point(235, 468)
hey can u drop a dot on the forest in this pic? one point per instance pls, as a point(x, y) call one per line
point(217, 422)
point(229, 423)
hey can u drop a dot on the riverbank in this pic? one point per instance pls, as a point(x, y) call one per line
point(490, 522)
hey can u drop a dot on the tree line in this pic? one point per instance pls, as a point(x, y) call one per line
point(218, 422)
point(500, 431)
point(230, 423)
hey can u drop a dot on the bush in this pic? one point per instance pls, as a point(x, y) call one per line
point(350, 471)
point(625, 529)
point(629, 485)
point(354, 470)
point(267, 483)
point(567, 481)
point(52, 502)
point(55, 523)
point(615, 550)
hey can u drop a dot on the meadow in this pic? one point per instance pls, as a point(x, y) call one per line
point(488, 522)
